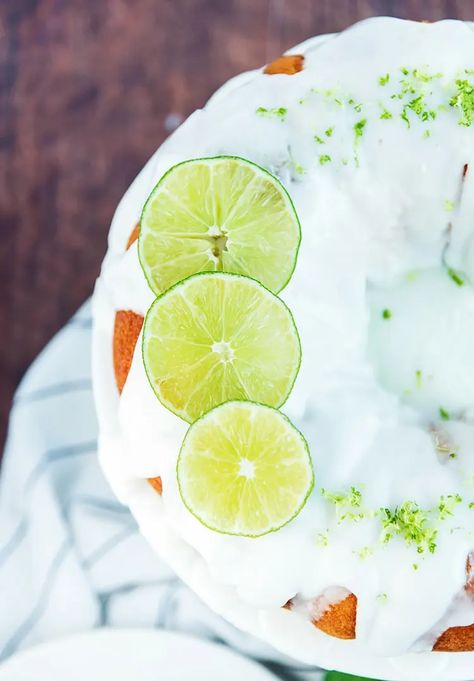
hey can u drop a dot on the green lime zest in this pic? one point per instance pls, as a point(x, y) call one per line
point(418, 527)
point(411, 523)
point(444, 414)
point(386, 115)
point(364, 553)
point(463, 100)
point(359, 127)
point(348, 505)
point(355, 105)
point(447, 505)
point(298, 168)
point(279, 112)
point(323, 538)
point(455, 276)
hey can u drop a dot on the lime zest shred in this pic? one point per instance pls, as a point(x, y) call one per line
point(386, 115)
point(298, 168)
point(352, 498)
point(279, 112)
point(463, 100)
point(383, 80)
point(364, 553)
point(455, 276)
point(419, 377)
point(449, 206)
point(386, 313)
point(417, 526)
point(323, 159)
point(356, 106)
point(404, 116)
point(410, 522)
point(348, 505)
point(444, 414)
point(323, 538)
point(447, 505)
point(359, 127)
point(328, 132)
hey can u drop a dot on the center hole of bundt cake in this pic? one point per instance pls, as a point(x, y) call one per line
point(225, 351)
point(218, 238)
point(421, 337)
point(247, 469)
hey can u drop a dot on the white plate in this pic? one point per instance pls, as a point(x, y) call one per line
point(131, 655)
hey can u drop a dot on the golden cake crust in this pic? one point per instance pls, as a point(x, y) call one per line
point(287, 64)
point(133, 236)
point(127, 328)
point(156, 484)
point(456, 640)
point(339, 620)
point(460, 639)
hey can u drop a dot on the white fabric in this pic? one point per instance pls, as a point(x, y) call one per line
point(71, 557)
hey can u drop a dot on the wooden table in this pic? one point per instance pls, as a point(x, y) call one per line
point(88, 90)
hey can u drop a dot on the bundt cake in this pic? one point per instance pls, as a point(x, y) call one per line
point(364, 141)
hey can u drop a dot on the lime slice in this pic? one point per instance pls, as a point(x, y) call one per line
point(216, 337)
point(222, 214)
point(244, 469)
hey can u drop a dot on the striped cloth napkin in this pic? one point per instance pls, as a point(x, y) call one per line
point(71, 557)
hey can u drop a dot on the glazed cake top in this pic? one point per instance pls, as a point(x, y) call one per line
point(373, 140)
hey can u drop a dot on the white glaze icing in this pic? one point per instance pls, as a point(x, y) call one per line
point(373, 214)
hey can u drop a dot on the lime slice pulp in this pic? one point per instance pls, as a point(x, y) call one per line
point(223, 214)
point(244, 469)
point(216, 337)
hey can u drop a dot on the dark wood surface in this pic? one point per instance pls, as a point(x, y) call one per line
point(88, 90)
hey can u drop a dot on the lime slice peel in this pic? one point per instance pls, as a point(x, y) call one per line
point(244, 470)
point(216, 337)
point(221, 213)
